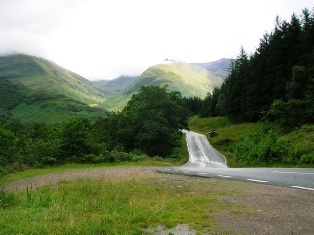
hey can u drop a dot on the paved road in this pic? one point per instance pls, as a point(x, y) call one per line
point(205, 161)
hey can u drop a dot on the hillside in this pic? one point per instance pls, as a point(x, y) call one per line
point(219, 67)
point(26, 105)
point(116, 85)
point(189, 79)
point(41, 74)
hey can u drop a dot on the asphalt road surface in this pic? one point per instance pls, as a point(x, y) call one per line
point(205, 161)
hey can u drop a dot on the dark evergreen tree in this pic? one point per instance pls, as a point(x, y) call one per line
point(281, 68)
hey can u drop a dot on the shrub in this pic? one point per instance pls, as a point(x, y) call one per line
point(260, 148)
point(121, 156)
point(300, 153)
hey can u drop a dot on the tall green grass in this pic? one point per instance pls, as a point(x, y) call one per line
point(124, 207)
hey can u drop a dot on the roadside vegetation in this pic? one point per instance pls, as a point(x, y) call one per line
point(269, 95)
point(88, 206)
point(147, 128)
point(258, 144)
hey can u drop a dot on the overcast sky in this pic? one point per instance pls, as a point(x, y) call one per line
point(102, 39)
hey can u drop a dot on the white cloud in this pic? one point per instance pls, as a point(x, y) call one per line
point(103, 39)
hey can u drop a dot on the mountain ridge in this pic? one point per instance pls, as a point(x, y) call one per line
point(41, 74)
point(19, 102)
point(186, 78)
point(220, 67)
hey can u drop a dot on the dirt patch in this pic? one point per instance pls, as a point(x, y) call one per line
point(105, 173)
point(263, 209)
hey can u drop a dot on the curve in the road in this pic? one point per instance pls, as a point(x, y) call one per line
point(205, 161)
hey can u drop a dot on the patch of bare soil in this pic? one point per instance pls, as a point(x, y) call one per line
point(266, 209)
point(105, 173)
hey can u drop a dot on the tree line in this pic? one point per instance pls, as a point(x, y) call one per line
point(148, 126)
point(275, 83)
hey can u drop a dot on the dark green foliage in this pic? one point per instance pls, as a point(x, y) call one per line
point(74, 139)
point(282, 68)
point(7, 146)
point(290, 114)
point(260, 148)
point(149, 125)
point(195, 105)
point(266, 147)
point(151, 121)
point(11, 94)
point(296, 88)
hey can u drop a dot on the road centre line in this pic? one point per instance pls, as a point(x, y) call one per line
point(299, 187)
point(225, 176)
point(259, 181)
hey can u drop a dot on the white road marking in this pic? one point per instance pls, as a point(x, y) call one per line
point(260, 181)
point(294, 172)
point(225, 176)
point(299, 187)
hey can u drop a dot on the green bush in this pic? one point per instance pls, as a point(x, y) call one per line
point(120, 156)
point(260, 148)
point(300, 153)
point(307, 158)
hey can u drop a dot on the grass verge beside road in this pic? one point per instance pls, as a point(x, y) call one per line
point(117, 205)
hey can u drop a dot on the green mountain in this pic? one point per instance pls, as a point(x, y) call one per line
point(116, 85)
point(190, 80)
point(41, 74)
point(27, 105)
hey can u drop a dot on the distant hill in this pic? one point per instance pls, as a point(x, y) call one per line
point(41, 74)
point(27, 105)
point(190, 80)
point(219, 67)
point(116, 85)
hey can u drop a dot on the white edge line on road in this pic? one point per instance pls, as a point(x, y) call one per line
point(260, 181)
point(299, 187)
point(225, 176)
point(293, 172)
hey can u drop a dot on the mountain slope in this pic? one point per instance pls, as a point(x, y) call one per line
point(22, 103)
point(116, 85)
point(189, 79)
point(41, 74)
point(219, 67)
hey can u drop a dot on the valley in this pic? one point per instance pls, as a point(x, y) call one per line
point(64, 94)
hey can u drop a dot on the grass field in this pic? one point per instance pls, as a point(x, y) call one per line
point(90, 206)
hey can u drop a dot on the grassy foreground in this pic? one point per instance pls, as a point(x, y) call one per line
point(125, 206)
